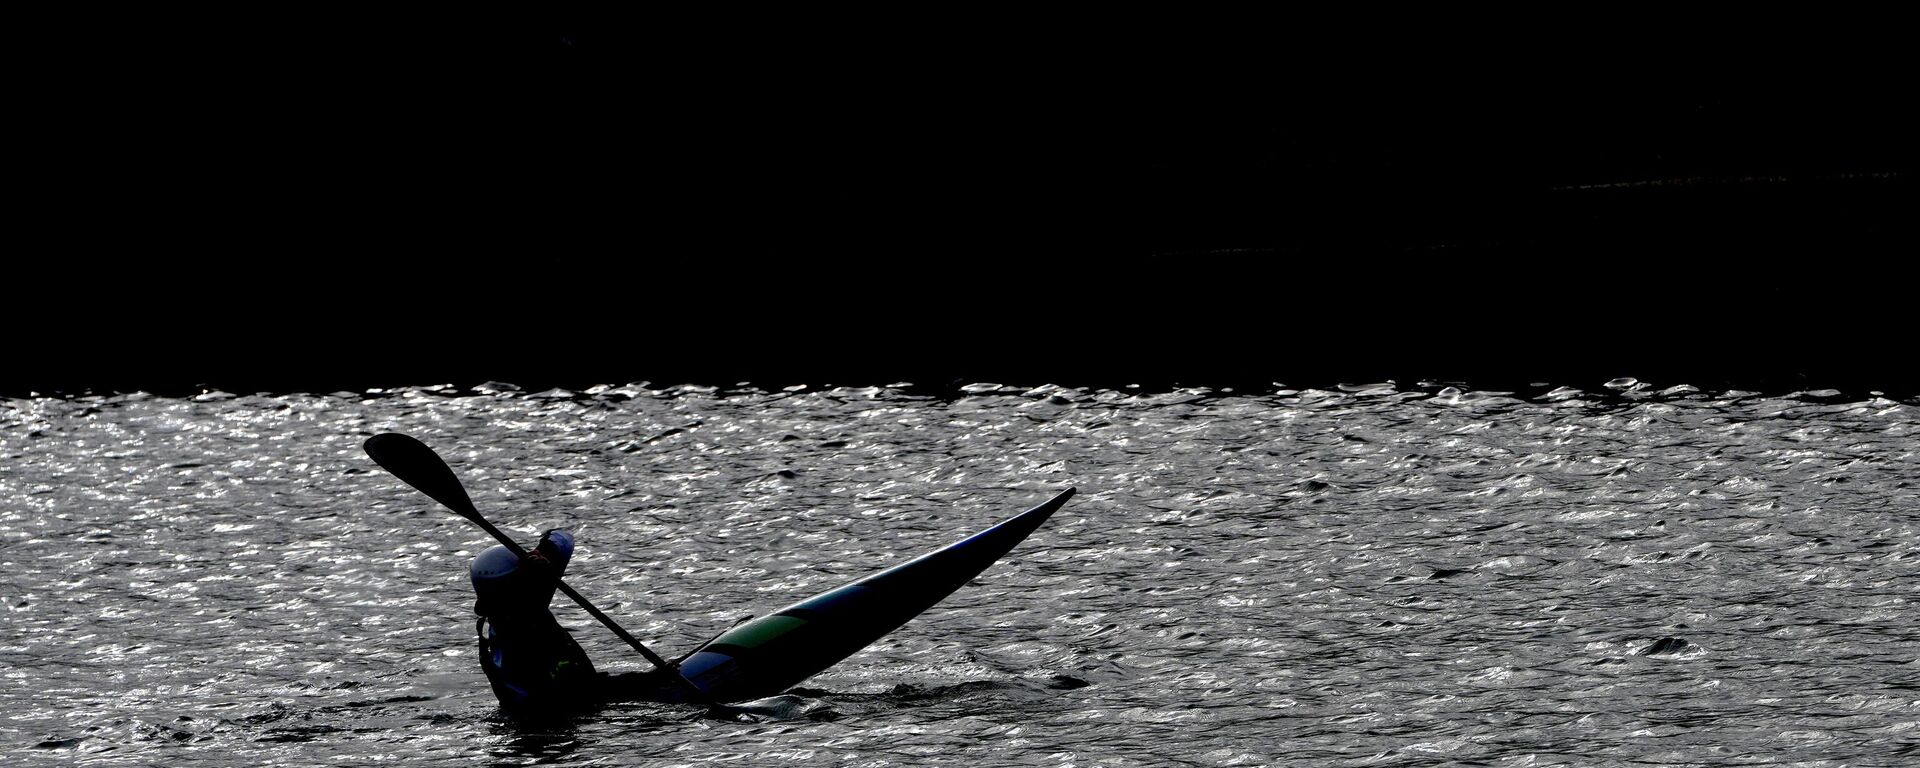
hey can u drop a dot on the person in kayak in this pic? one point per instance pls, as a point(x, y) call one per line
point(533, 664)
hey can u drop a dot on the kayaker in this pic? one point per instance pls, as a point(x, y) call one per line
point(535, 667)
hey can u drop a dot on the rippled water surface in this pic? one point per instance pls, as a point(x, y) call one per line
point(1371, 576)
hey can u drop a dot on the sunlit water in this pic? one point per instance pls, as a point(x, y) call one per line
point(1371, 577)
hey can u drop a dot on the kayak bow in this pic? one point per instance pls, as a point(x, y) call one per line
point(770, 654)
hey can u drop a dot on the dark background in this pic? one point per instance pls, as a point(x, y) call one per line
point(564, 199)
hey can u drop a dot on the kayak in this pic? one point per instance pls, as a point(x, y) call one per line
point(769, 654)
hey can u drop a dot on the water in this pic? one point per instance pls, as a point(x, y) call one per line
point(1371, 576)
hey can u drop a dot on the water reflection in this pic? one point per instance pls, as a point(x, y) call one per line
point(1369, 575)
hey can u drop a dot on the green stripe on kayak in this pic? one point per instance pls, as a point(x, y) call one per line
point(756, 633)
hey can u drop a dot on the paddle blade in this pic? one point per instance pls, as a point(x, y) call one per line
point(417, 465)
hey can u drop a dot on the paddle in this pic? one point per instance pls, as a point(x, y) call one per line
point(417, 465)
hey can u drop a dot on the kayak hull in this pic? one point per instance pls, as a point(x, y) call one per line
point(772, 653)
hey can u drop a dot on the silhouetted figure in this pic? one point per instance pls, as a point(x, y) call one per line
point(534, 665)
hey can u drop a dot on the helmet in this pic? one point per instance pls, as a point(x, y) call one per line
point(497, 564)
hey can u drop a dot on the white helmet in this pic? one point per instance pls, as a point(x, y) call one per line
point(497, 562)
